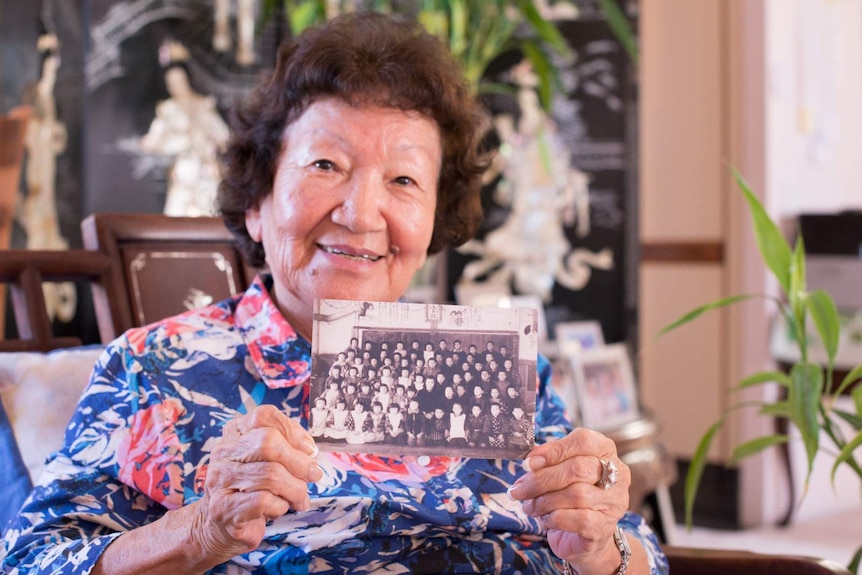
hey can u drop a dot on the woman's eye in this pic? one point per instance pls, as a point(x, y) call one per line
point(404, 181)
point(324, 165)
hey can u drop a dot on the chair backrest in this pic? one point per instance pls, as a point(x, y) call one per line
point(162, 266)
point(24, 271)
point(690, 561)
point(13, 128)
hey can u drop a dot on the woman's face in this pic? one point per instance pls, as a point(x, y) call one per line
point(351, 212)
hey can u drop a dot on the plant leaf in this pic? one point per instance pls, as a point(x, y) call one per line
point(695, 469)
point(458, 33)
point(545, 29)
point(851, 418)
point(806, 385)
point(854, 375)
point(846, 453)
point(822, 308)
point(777, 409)
point(755, 446)
point(302, 16)
point(853, 566)
point(797, 295)
point(544, 72)
point(697, 312)
point(619, 25)
point(773, 247)
point(764, 377)
point(857, 395)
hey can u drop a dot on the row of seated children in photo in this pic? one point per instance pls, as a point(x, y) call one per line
point(494, 429)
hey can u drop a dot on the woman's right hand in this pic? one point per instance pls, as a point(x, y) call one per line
point(259, 470)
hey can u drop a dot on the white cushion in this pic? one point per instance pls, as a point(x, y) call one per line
point(39, 393)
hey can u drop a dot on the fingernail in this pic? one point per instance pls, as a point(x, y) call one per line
point(310, 448)
point(315, 473)
point(515, 491)
point(528, 506)
point(304, 505)
point(533, 463)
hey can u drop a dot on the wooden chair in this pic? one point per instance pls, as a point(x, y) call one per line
point(24, 271)
point(162, 266)
point(690, 561)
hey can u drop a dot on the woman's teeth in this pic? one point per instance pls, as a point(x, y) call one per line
point(355, 257)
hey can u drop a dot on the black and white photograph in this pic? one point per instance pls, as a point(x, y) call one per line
point(605, 385)
point(423, 379)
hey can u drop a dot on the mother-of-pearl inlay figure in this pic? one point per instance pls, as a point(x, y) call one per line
point(544, 193)
point(188, 127)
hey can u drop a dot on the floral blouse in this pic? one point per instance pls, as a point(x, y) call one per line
point(140, 441)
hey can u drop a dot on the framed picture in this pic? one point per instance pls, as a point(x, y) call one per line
point(605, 387)
point(396, 378)
point(574, 336)
point(563, 383)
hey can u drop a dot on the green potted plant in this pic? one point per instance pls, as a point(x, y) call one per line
point(477, 31)
point(805, 402)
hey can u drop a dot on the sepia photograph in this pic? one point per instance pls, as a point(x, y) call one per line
point(605, 385)
point(423, 379)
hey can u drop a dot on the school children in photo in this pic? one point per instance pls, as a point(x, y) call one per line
point(395, 425)
point(383, 396)
point(377, 431)
point(386, 376)
point(457, 434)
point(399, 398)
point(336, 423)
point(332, 394)
point(437, 429)
point(360, 424)
point(365, 396)
point(475, 426)
point(496, 426)
point(415, 424)
point(317, 418)
point(522, 430)
point(349, 396)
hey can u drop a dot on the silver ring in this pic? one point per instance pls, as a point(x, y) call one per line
point(610, 474)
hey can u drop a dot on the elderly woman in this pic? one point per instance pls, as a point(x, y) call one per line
point(189, 452)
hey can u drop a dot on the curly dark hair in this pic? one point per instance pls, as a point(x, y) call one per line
point(364, 58)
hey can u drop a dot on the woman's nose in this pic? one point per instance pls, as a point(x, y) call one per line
point(361, 208)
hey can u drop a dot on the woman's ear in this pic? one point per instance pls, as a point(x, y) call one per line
point(254, 224)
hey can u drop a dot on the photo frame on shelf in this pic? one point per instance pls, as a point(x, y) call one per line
point(605, 387)
point(562, 380)
point(574, 336)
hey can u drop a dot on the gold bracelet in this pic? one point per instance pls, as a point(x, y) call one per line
point(622, 545)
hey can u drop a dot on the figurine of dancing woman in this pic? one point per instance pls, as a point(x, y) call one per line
point(188, 127)
point(544, 194)
point(45, 140)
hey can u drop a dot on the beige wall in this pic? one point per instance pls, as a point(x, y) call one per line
point(681, 149)
point(702, 110)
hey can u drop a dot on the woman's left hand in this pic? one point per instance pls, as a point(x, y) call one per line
point(562, 488)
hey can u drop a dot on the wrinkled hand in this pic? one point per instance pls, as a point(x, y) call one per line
point(258, 470)
point(561, 489)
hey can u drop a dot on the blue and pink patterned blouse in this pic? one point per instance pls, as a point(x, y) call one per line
point(140, 440)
